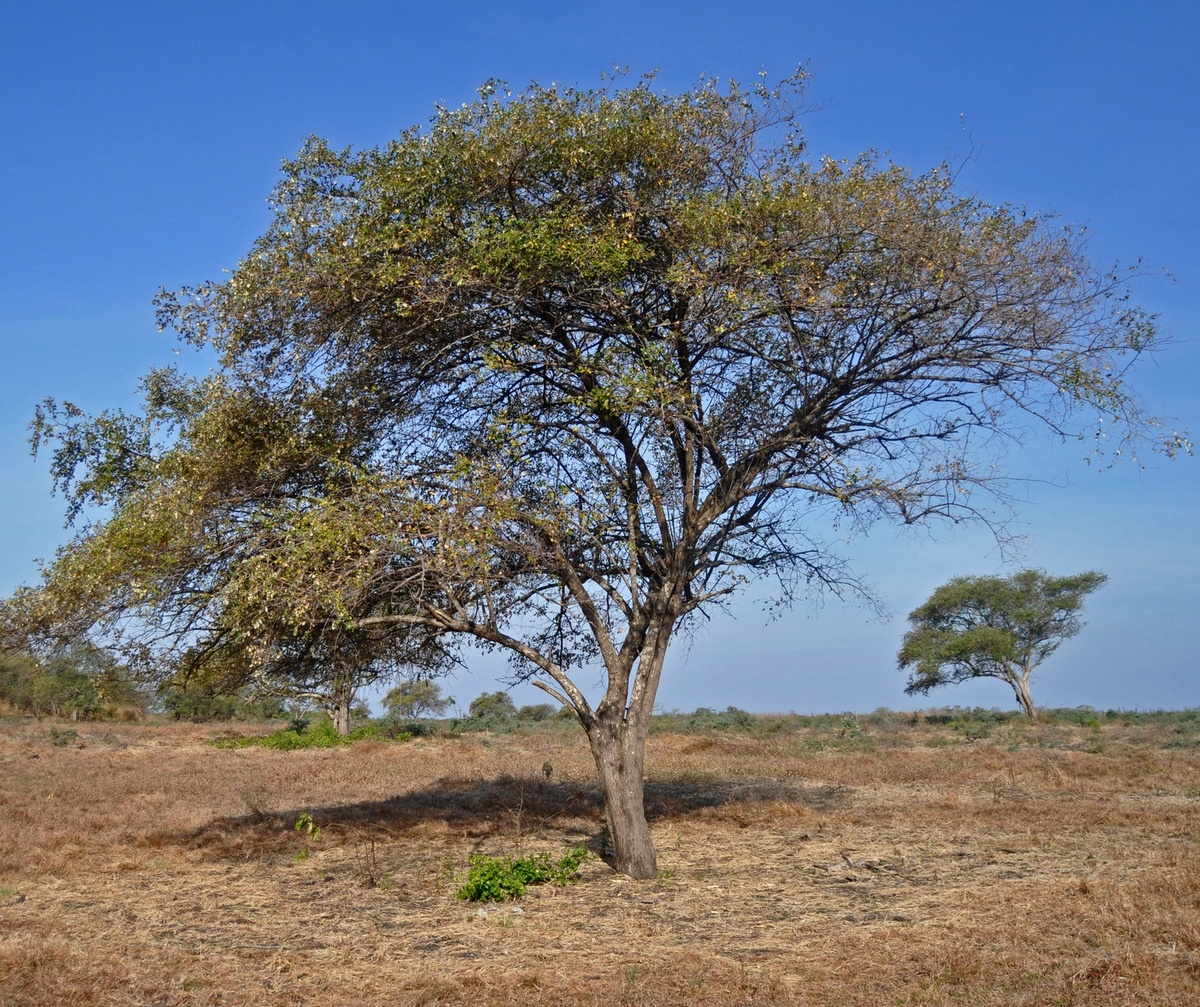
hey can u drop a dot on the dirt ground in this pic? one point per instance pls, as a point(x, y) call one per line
point(140, 865)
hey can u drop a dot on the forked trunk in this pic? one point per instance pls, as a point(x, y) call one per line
point(619, 751)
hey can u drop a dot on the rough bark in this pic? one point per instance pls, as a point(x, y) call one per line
point(617, 734)
point(618, 748)
point(1021, 688)
point(339, 711)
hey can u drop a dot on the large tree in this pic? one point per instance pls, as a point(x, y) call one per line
point(993, 627)
point(586, 361)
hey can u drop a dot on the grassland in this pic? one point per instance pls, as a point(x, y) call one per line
point(960, 859)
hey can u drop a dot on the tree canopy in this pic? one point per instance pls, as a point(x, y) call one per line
point(564, 369)
point(416, 697)
point(994, 627)
point(498, 705)
point(216, 492)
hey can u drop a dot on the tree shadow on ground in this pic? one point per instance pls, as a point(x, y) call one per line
point(477, 808)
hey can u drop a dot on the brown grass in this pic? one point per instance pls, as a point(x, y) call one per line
point(146, 867)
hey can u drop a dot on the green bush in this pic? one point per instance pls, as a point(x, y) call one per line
point(63, 737)
point(200, 703)
point(402, 730)
point(18, 672)
point(1082, 716)
point(324, 735)
point(494, 879)
point(732, 719)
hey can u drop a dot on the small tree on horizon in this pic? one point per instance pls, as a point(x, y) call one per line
point(993, 627)
point(496, 705)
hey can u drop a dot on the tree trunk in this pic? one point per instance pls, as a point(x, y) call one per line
point(339, 711)
point(1021, 688)
point(619, 750)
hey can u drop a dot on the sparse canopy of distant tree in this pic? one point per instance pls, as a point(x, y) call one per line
point(567, 368)
point(415, 698)
point(993, 627)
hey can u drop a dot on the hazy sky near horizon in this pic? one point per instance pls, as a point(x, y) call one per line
point(138, 144)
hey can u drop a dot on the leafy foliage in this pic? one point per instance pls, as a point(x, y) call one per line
point(324, 735)
point(205, 701)
point(306, 825)
point(79, 681)
point(494, 706)
point(63, 737)
point(495, 879)
point(993, 627)
point(415, 698)
point(731, 719)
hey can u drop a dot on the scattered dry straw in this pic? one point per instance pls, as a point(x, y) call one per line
point(148, 868)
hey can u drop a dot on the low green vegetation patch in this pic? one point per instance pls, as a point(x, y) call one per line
point(299, 735)
point(494, 879)
point(63, 737)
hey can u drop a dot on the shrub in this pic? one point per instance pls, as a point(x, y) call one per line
point(494, 879)
point(324, 735)
point(471, 725)
point(732, 719)
point(1083, 716)
point(402, 730)
point(198, 704)
point(63, 737)
point(81, 682)
point(18, 672)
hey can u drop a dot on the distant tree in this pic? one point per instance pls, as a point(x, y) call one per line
point(536, 712)
point(494, 705)
point(993, 627)
point(64, 689)
point(18, 672)
point(79, 681)
point(198, 703)
point(415, 698)
point(332, 663)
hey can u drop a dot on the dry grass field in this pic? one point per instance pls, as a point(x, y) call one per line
point(892, 863)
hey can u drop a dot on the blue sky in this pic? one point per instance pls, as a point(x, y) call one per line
point(138, 143)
